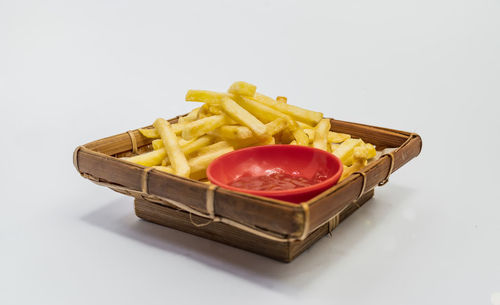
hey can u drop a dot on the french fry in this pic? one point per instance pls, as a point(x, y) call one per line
point(253, 141)
point(205, 96)
point(310, 134)
point(174, 153)
point(214, 147)
point(281, 99)
point(157, 144)
point(149, 133)
point(268, 114)
point(236, 132)
point(301, 137)
point(304, 125)
point(200, 127)
point(263, 112)
point(151, 158)
point(232, 132)
point(287, 136)
point(365, 151)
point(195, 145)
point(276, 126)
point(214, 109)
point(356, 166)
point(333, 147)
point(242, 116)
point(187, 147)
point(182, 142)
point(200, 175)
point(345, 150)
point(299, 114)
point(204, 112)
point(242, 88)
point(335, 137)
point(191, 116)
point(159, 154)
point(167, 169)
point(321, 134)
point(266, 141)
point(360, 156)
point(294, 142)
point(201, 162)
point(153, 134)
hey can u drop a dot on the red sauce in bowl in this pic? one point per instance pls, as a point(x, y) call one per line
point(275, 182)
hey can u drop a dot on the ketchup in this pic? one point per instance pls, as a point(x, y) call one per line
point(275, 182)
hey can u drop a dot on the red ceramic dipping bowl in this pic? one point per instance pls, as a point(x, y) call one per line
point(289, 159)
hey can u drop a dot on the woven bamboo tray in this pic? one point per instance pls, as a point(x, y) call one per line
point(269, 227)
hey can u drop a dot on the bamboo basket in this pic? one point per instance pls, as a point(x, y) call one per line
point(273, 228)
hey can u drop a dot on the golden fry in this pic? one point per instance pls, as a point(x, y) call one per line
point(356, 166)
point(201, 162)
point(195, 145)
point(287, 136)
point(253, 141)
point(263, 112)
point(157, 144)
point(153, 134)
point(214, 147)
point(333, 147)
point(242, 88)
point(200, 127)
point(304, 125)
point(204, 112)
point(276, 126)
point(346, 150)
point(335, 137)
point(187, 147)
point(236, 132)
point(167, 169)
point(149, 133)
point(310, 134)
point(215, 109)
point(281, 99)
point(174, 153)
point(191, 116)
point(299, 114)
point(301, 137)
point(365, 151)
point(151, 158)
point(361, 154)
point(232, 132)
point(242, 116)
point(321, 134)
point(205, 96)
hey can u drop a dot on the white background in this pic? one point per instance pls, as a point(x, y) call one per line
point(72, 72)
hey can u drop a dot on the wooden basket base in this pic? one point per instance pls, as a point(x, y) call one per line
point(226, 234)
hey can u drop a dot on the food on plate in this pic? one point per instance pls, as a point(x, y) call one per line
point(241, 118)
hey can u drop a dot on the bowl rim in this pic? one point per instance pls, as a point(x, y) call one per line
point(296, 191)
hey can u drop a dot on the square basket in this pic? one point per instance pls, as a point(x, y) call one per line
point(273, 228)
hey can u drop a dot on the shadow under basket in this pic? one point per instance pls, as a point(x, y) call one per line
point(273, 228)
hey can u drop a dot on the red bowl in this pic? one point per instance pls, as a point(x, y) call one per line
point(289, 159)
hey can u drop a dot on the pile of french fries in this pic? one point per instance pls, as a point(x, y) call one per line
point(241, 118)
